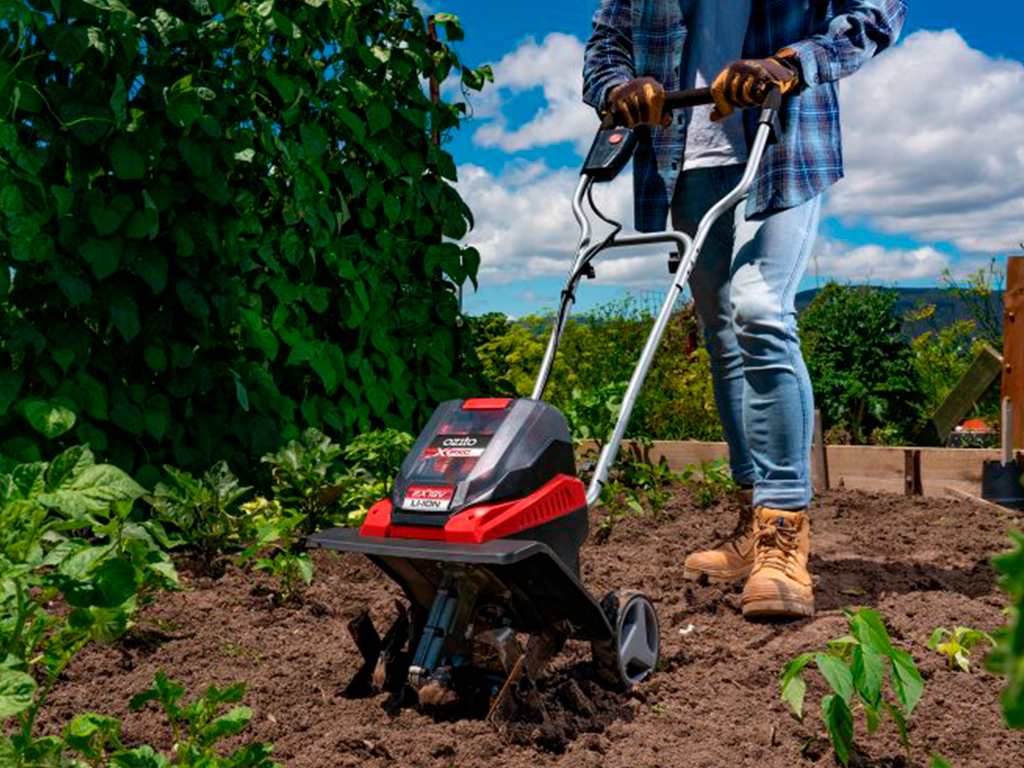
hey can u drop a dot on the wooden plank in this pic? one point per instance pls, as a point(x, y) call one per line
point(912, 472)
point(1013, 344)
point(869, 468)
point(983, 373)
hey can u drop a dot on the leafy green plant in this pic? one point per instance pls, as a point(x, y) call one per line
point(981, 292)
point(591, 413)
point(308, 479)
point(380, 453)
point(1007, 658)
point(618, 501)
point(198, 727)
point(711, 481)
point(956, 644)
point(938, 761)
point(854, 666)
point(226, 221)
point(204, 509)
point(98, 577)
point(278, 546)
point(860, 361)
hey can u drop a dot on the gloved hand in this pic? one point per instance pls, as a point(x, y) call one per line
point(639, 102)
point(745, 83)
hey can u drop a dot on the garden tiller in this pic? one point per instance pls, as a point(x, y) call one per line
point(487, 515)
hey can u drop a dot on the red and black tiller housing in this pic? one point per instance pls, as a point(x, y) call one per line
point(484, 525)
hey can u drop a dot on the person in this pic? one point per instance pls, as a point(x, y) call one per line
point(745, 279)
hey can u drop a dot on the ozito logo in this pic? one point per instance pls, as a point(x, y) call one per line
point(457, 446)
point(428, 498)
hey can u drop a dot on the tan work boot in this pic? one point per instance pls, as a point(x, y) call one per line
point(779, 584)
point(733, 558)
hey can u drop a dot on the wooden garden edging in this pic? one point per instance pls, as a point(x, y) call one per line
point(868, 468)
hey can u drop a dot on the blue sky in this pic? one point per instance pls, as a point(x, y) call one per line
point(935, 166)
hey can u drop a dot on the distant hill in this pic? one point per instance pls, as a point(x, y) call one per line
point(948, 308)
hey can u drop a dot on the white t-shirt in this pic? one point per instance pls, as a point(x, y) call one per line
point(716, 30)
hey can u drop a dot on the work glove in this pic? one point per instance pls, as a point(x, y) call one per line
point(639, 102)
point(746, 83)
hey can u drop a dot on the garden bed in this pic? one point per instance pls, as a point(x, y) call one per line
point(922, 563)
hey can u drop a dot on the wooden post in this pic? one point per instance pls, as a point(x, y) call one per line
point(819, 457)
point(983, 374)
point(1013, 345)
point(912, 485)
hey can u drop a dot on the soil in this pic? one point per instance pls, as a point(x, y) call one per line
point(922, 563)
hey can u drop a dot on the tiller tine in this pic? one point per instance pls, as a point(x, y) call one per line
point(519, 698)
point(385, 662)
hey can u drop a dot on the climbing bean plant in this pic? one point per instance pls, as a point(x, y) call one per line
point(224, 222)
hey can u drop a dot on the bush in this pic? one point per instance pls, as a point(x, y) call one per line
point(595, 359)
point(227, 221)
point(860, 363)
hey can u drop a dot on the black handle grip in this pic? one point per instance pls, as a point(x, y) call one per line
point(698, 97)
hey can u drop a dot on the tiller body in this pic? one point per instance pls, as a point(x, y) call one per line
point(486, 518)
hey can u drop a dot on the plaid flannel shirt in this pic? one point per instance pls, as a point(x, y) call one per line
point(832, 39)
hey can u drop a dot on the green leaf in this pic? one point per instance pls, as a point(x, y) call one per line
point(49, 419)
point(839, 720)
point(103, 255)
point(906, 679)
point(227, 725)
point(124, 314)
point(17, 692)
point(837, 674)
point(64, 197)
point(129, 164)
point(868, 675)
point(938, 761)
point(156, 358)
point(93, 490)
point(10, 386)
point(192, 300)
point(379, 117)
point(791, 683)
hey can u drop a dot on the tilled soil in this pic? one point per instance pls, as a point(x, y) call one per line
point(922, 563)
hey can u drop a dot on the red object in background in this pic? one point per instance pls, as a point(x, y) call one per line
point(975, 425)
point(559, 496)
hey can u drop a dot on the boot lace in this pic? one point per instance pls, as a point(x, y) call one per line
point(776, 546)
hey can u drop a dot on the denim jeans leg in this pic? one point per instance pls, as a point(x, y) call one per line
point(769, 259)
point(696, 191)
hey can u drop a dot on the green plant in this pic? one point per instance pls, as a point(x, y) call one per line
point(204, 509)
point(981, 291)
point(618, 501)
point(711, 481)
point(860, 362)
point(956, 644)
point(308, 480)
point(98, 577)
point(592, 413)
point(225, 221)
point(278, 545)
point(1007, 658)
point(854, 666)
point(380, 453)
point(198, 728)
point(938, 761)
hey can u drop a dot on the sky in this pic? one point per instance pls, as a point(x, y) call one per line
point(931, 138)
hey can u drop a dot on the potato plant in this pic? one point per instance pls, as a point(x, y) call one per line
point(956, 644)
point(854, 666)
point(99, 577)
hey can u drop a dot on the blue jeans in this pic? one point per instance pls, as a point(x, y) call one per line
point(744, 285)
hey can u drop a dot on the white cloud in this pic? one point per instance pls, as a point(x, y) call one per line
point(555, 66)
point(932, 142)
point(876, 264)
point(525, 228)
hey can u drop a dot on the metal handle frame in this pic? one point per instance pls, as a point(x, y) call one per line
point(689, 249)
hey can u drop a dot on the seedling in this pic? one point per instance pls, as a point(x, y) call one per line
point(854, 666)
point(711, 481)
point(277, 547)
point(198, 727)
point(956, 644)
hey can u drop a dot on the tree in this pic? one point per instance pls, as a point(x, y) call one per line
point(225, 221)
point(860, 362)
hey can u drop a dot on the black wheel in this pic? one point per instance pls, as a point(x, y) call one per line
point(632, 653)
